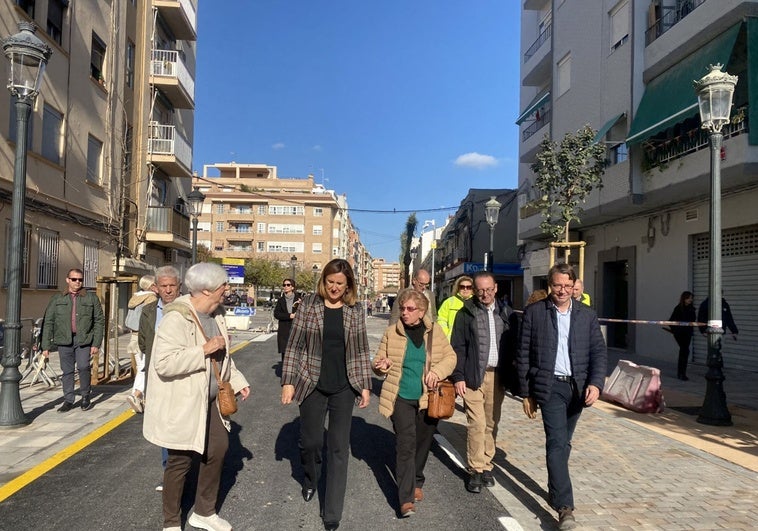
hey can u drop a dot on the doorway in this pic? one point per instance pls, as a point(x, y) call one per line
point(616, 283)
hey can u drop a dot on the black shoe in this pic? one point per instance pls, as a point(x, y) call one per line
point(683, 377)
point(475, 483)
point(331, 526)
point(308, 494)
point(488, 479)
point(86, 404)
point(67, 406)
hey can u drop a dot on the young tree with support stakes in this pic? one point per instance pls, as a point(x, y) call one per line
point(566, 174)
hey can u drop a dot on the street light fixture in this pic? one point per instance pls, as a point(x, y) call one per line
point(293, 265)
point(315, 269)
point(492, 213)
point(195, 199)
point(28, 56)
point(714, 94)
point(434, 245)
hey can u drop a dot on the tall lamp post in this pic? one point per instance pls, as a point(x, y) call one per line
point(714, 95)
point(434, 245)
point(28, 56)
point(195, 199)
point(293, 265)
point(315, 276)
point(492, 212)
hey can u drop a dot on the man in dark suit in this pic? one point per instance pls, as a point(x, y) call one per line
point(562, 362)
point(727, 318)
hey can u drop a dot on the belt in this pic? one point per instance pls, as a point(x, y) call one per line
point(490, 369)
point(563, 378)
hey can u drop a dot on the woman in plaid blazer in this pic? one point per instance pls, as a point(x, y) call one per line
point(327, 367)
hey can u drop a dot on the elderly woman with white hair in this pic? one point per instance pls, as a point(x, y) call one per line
point(182, 414)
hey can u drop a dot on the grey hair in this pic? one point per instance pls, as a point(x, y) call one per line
point(167, 271)
point(205, 275)
point(146, 282)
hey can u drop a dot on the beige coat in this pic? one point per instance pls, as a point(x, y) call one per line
point(176, 410)
point(393, 345)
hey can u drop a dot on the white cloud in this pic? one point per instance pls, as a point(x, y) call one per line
point(278, 145)
point(476, 160)
point(317, 147)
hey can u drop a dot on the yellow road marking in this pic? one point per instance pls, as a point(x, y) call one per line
point(27, 477)
point(18, 483)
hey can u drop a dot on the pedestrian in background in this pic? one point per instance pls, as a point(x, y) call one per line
point(420, 282)
point(284, 312)
point(136, 303)
point(684, 312)
point(463, 290)
point(726, 317)
point(562, 361)
point(479, 340)
point(74, 325)
point(579, 294)
point(182, 413)
point(326, 369)
point(414, 355)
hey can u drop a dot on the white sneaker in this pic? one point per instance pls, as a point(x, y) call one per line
point(173, 528)
point(136, 403)
point(159, 487)
point(211, 523)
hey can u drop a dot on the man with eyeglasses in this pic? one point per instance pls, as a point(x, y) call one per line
point(74, 325)
point(479, 341)
point(420, 282)
point(562, 362)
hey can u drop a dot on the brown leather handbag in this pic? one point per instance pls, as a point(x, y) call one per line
point(442, 397)
point(227, 401)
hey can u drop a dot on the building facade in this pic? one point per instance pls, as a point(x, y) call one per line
point(92, 163)
point(387, 277)
point(251, 212)
point(626, 68)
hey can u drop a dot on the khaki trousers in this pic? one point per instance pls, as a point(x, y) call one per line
point(483, 407)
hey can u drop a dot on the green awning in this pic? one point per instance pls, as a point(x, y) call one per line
point(600, 136)
point(536, 103)
point(670, 98)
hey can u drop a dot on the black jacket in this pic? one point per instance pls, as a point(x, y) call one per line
point(727, 319)
point(539, 346)
point(285, 322)
point(465, 342)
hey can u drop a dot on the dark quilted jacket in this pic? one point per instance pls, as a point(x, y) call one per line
point(539, 344)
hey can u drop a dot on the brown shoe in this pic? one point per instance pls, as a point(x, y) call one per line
point(418, 494)
point(407, 509)
point(566, 518)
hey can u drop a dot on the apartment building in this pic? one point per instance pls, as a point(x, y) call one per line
point(626, 67)
point(95, 171)
point(387, 277)
point(249, 211)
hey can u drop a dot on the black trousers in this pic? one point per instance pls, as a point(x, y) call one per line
point(684, 354)
point(414, 433)
point(313, 412)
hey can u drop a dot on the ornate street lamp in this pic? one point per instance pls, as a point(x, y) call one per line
point(314, 269)
point(491, 212)
point(195, 199)
point(28, 56)
point(714, 94)
point(293, 265)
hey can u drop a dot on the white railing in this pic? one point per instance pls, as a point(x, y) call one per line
point(165, 140)
point(167, 63)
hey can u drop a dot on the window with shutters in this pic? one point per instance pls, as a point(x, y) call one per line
point(94, 159)
point(52, 124)
point(55, 10)
point(91, 263)
point(619, 18)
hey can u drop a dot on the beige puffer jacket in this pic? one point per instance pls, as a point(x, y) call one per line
point(393, 345)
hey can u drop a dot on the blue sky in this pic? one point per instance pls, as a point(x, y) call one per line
point(403, 105)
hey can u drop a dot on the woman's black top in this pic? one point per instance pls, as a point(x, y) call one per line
point(333, 378)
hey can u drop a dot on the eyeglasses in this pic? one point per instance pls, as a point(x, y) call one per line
point(485, 290)
point(559, 287)
point(287, 284)
point(408, 308)
point(76, 279)
point(467, 286)
point(425, 284)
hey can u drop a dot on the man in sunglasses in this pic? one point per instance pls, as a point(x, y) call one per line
point(74, 325)
point(420, 283)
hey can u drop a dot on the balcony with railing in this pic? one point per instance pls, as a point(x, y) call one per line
point(169, 73)
point(659, 152)
point(180, 17)
point(537, 60)
point(671, 16)
point(543, 37)
point(169, 150)
point(541, 121)
point(167, 226)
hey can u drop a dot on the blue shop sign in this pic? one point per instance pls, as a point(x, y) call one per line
point(510, 269)
point(244, 310)
point(236, 273)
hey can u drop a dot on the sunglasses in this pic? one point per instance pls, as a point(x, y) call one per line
point(285, 285)
point(466, 286)
point(76, 279)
